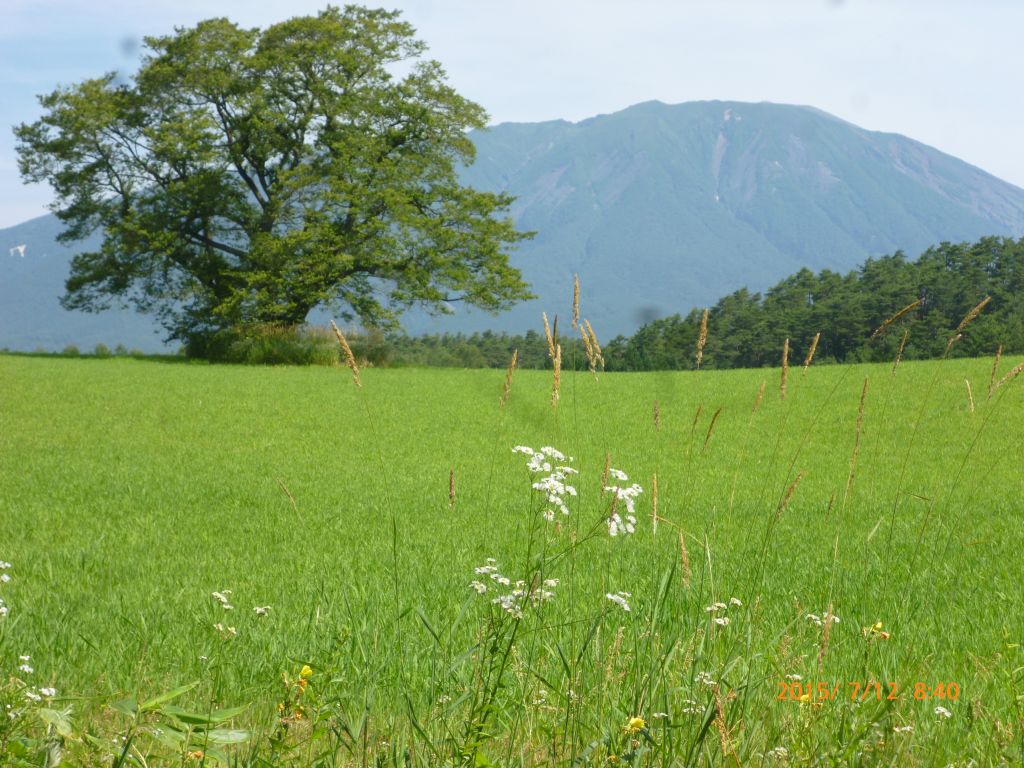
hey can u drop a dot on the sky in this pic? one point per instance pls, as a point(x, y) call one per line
point(944, 72)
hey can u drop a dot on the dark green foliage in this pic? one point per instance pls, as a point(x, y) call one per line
point(247, 176)
point(747, 330)
point(268, 344)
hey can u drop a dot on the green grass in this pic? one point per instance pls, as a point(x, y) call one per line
point(130, 490)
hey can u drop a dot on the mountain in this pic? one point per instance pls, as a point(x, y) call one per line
point(33, 268)
point(658, 207)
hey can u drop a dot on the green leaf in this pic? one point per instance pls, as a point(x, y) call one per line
point(163, 698)
point(59, 720)
point(228, 736)
point(126, 707)
point(202, 718)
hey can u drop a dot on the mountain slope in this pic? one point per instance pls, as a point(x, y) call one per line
point(658, 207)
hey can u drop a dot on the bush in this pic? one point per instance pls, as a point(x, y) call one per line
point(101, 350)
point(268, 344)
point(70, 351)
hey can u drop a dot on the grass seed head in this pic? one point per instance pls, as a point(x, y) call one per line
point(899, 352)
point(784, 380)
point(995, 371)
point(903, 312)
point(556, 380)
point(506, 388)
point(575, 302)
point(702, 337)
point(350, 359)
point(811, 351)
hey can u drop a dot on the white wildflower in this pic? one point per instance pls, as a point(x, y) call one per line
point(621, 599)
point(903, 729)
point(26, 669)
point(4, 565)
point(617, 474)
point(659, 715)
point(794, 678)
point(722, 621)
point(48, 692)
point(32, 695)
point(510, 605)
point(617, 524)
point(24, 658)
point(735, 601)
point(261, 610)
point(550, 582)
point(819, 621)
point(4, 577)
point(690, 707)
point(943, 712)
point(715, 608)
point(553, 484)
point(780, 753)
point(479, 586)
point(703, 678)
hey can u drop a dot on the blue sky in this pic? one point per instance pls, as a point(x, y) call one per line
point(945, 72)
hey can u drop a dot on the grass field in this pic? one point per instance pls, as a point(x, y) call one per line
point(132, 490)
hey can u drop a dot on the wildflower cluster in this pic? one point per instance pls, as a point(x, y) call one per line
point(224, 598)
point(517, 595)
point(4, 578)
point(617, 523)
point(291, 709)
point(621, 599)
point(819, 621)
point(721, 608)
point(29, 696)
point(553, 484)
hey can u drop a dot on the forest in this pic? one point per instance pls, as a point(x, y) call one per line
point(748, 329)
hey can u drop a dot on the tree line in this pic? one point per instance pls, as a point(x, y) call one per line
point(747, 329)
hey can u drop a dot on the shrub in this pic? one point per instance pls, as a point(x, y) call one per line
point(101, 350)
point(268, 344)
point(70, 351)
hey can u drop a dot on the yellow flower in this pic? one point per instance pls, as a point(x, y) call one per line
point(635, 724)
point(306, 673)
point(805, 699)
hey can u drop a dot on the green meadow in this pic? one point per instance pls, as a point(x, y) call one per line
point(885, 610)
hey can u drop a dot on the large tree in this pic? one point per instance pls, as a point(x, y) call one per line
point(247, 176)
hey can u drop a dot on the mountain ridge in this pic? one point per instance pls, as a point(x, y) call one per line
point(663, 207)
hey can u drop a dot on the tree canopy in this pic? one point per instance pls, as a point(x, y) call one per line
point(247, 176)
